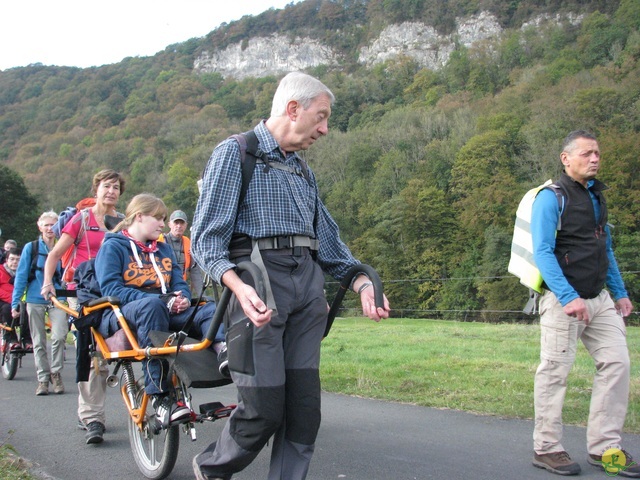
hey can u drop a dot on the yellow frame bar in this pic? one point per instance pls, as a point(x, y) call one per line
point(136, 352)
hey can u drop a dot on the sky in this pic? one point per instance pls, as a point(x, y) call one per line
point(85, 33)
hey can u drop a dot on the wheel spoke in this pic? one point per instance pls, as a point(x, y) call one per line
point(155, 454)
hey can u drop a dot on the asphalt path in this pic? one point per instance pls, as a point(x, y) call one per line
point(360, 439)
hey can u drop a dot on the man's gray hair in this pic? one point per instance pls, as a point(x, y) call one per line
point(568, 143)
point(300, 87)
point(50, 214)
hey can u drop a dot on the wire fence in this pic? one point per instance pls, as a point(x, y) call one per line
point(486, 316)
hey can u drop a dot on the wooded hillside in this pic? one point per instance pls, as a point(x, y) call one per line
point(422, 169)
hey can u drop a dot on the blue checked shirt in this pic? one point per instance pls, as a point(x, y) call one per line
point(277, 203)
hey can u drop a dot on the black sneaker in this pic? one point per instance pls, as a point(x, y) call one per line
point(82, 426)
point(629, 469)
point(95, 432)
point(169, 412)
point(556, 462)
point(223, 362)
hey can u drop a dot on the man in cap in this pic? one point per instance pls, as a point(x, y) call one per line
point(182, 249)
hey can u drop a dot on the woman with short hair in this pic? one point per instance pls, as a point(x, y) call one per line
point(85, 232)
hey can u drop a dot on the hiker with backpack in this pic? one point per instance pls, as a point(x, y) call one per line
point(181, 245)
point(278, 221)
point(30, 278)
point(576, 262)
point(80, 240)
point(7, 279)
point(144, 274)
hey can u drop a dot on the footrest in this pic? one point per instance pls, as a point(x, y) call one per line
point(216, 410)
point(17, 348)
point(196, 369)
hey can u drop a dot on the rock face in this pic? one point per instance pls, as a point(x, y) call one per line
point(424, 44)
point(266, 56)
point(276, 54)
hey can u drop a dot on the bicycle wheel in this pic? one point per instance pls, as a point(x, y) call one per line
point(155, 454)
point(9, 359)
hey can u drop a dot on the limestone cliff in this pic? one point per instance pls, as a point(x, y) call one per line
point(264, 56)
point(261, 56)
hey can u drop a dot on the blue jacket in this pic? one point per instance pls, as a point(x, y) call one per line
point(22, 275)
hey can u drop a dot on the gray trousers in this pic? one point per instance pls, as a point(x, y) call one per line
point(277, 376)
point(59, 330)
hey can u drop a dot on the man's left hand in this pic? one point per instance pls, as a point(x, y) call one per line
point(369, 305)
point(624, 307)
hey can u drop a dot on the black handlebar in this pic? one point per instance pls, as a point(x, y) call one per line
point(344, 286)
point(259, 286)
point(257, 277)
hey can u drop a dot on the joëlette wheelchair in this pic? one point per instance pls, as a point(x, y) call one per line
point(14, 343)
point(192, 365)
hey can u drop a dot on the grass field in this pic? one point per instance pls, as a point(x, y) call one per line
point(477, 367)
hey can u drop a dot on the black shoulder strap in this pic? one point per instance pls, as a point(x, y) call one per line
point(251, 144)
point(249, 155)
point(559, 191)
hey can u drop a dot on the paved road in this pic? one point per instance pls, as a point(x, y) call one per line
point(359, 439)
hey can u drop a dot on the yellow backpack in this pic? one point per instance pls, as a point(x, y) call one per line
point(521, 263)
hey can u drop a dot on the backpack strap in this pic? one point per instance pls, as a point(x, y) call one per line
point(84, 226)
point(531, 307)
point(248, 143)
point(559, 191)
point(250, 154)
point(35, 247)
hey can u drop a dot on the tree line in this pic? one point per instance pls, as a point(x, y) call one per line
point(422, 170)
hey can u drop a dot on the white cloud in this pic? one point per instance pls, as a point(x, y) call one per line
point(85, 33)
